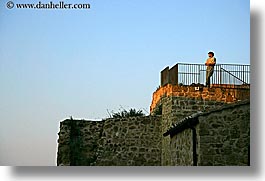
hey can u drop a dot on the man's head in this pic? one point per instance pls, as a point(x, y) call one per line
point(210, 54)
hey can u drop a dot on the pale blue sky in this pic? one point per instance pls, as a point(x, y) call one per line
point(57, 63)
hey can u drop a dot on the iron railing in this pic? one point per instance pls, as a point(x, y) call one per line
point(231, 75)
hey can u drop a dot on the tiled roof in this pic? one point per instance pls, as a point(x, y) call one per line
point(185, 123)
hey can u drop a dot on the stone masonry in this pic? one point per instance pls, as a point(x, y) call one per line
point(218, 137)
point(132, 141)
point(218, 134)
point(224, 136)
point(177, 102)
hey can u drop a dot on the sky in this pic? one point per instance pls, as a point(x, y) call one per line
point(85, 62)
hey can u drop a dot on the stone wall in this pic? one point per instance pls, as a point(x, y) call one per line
point(181, 149)
point(176, 102)
point(224, 136)
point(176, 108)
point(221, 137)
point(132, 141)
point(78, 142)
point(217, 93)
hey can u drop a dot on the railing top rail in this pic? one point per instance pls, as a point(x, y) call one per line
point(229, 64)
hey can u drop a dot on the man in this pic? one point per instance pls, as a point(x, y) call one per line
point(210, 63)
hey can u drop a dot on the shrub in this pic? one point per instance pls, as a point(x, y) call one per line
point(125, 114)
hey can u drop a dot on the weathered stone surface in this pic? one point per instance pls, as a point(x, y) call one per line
point(132, 141)
point(214, 94)
point(231, 133)
point(221, 135)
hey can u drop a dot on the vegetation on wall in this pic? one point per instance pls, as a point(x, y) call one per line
point(125, 114)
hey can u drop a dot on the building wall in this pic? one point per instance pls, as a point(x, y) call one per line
point(178, 102)
point(124, 142)
point(173, 110)
point(224, 136)
point(181, 149)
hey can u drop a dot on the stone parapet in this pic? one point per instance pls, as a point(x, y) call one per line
point(219, 94)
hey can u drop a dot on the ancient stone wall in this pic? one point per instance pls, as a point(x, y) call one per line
point(224, 136)
point(133, 141)
point(126, 142)
point(178, 102)
point(176, 108)
point(181, 149)
point(79, 142)
point(221, 136)
point(215, 138)
point(198, 92)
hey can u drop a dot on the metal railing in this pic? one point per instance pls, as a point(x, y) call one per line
point(230, 75)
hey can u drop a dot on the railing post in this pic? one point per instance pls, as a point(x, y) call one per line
point(220, 75)
point(177, 76)
point(199, 74)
